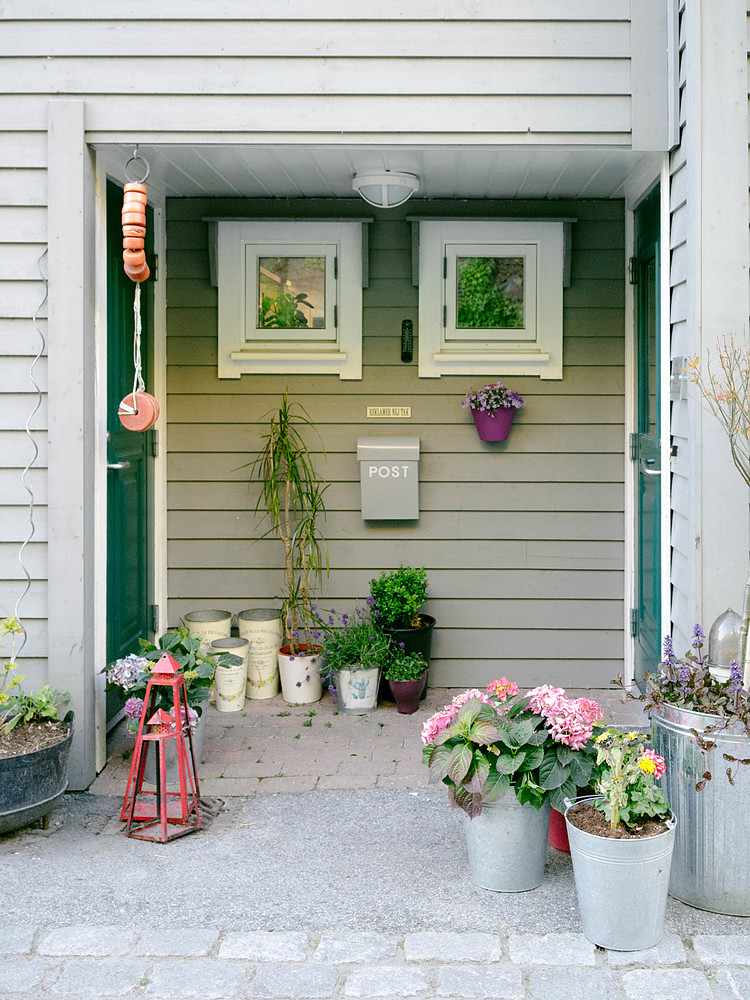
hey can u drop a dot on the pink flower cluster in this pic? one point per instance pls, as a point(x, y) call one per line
point(442, 719)
point(569, 720)
point(502, 689)
point(659, 764)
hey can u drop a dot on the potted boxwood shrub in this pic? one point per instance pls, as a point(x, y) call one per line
point(485, 744)
point(406, 674)
point(292, 500)
point(621, 843)
point(354, 651)
point(34, 744)
point(397, 597)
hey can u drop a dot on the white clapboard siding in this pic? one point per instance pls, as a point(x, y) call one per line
point(523, 543)
point(682, 540)
point(544, 73)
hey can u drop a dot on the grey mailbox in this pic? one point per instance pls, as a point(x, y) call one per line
point(389, 474)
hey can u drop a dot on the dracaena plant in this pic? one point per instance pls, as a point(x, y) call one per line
point(485, 743)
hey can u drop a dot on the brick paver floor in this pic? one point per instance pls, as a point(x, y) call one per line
point(274, 747)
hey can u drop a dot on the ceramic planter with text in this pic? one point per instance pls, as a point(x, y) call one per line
point(493, 408)
point(486, 744)
point(299, 670)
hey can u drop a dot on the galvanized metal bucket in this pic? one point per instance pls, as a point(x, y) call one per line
point(621, 885)
point(507, 845)
point(711, 866)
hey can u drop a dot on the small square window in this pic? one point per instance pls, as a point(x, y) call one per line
point(490, 297)
point(290, 297)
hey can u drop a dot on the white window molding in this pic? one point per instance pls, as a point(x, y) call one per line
point(531, 341)
point(329, 341)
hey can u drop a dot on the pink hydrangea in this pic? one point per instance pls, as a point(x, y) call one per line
point(659, 764)
point(569, 720)
point(502, 689)
point(442, 719)
point(546, 699)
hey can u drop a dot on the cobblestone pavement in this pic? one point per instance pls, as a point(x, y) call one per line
point(333, 872)
point(123, 961)
point(273, 747)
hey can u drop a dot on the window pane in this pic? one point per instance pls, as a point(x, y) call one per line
point(291, 292)
point(489, 292)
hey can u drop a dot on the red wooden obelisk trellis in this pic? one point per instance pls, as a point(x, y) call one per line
point(144, 810)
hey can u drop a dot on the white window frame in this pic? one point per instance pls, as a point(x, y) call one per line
point(246, 350)
point(534, 350)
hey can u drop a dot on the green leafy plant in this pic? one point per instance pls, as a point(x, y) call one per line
point(484, 744)
point(15, 705)
point(131, 674)
point(627, 779)
point(398, 596)
point(403, 666)
point(292, 500)
point(481, 300)
point(354, 641)
point(282, 311)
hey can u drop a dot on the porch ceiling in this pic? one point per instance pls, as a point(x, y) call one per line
point(238, 171)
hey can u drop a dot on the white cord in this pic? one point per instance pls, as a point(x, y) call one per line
point(138, 384)
point(32, 462)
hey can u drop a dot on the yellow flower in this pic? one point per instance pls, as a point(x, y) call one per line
point(646, 765)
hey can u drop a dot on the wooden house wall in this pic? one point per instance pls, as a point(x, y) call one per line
point(523, 541)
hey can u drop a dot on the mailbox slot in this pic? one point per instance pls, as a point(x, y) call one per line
point(389, 477)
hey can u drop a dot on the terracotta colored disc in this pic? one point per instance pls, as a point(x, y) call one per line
point(138, 274)
point(146, 415)
point(136, 196)
point(133, 206)
point(134, 219)
point(141, 188)
point(134, 258)
point(133, 243)
point(131, 230)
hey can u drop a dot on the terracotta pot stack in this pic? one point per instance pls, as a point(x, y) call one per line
point(134, 232)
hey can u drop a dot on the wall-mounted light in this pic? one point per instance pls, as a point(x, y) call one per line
point(386, 188)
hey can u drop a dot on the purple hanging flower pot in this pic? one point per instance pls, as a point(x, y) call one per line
point(494, 425)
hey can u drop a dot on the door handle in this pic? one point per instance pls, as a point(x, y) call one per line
point(118, 465)
point(645, 462)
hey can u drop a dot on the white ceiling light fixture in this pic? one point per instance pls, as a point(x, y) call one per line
point(386, 188)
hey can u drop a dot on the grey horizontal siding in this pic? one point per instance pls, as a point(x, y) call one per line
point(523, 542)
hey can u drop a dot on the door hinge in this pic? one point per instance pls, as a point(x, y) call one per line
point(154, 444)
point(445, 316)
point(335, 317)
point(155, 268)
point(445, 267)
point(154, 617)
point(335, 268)
point(633, 270)
point(633, 621)
point(633, 447)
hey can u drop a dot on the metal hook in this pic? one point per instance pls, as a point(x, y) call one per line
point(134, 159)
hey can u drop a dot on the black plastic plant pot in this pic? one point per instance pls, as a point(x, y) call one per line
point(31, 784)
point(416, 639)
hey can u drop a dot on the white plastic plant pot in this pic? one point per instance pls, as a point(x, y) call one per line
point(207, 626)
point(230, 681)
point(300, 675)
point(357, 690)
point(262, 629)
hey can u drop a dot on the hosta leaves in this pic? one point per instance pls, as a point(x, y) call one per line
point(459, 762)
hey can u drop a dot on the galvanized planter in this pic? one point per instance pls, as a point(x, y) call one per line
point(507, 844)
point(621, 885)
point(711, 865)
